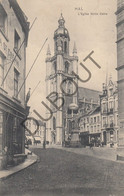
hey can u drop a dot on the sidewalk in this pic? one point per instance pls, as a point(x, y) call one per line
point(31, 159)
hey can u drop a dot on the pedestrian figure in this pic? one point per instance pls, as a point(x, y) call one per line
point(91, 145)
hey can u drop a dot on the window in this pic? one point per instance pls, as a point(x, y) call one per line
point(91, 120)
point(91, 128)
point(111, 119)
point(98, 128)
point(104, 107)
point(16, 42)
point(104, 121)
point(65, 47)
point(94, 119)
point(3, 20)
point(97, 118)
point(111, 104)
point(111, 92)
point(1, 69)
point(87, 120)
point(94, 128)
point(87, 128)
point(66, 67)
point(16, 81)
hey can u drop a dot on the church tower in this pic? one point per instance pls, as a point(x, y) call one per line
point(60, 80)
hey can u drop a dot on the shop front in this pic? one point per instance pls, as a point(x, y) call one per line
point(11, 133)
point(95, 139)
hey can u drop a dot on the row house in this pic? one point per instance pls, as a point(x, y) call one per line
point(90, 127)
point(35, 131)
point(14, 29)
point(109, 113)
point(101, 124)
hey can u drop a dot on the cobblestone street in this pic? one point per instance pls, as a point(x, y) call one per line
point(59, 172)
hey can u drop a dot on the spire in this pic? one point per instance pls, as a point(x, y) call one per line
point(61, 21)
point(48, 51)
point(74, 49)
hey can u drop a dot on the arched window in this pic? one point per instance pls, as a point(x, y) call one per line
point(65, 47)
point(62, 45)
point(55, 67)
point(54, 123)
point(66, 67)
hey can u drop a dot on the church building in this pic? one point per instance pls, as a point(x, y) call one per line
point(62, 83)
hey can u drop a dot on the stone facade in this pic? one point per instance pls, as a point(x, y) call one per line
point(14, 30)
point(101, 123)
point(59, 71)
point(120, 67)
point(109, 113)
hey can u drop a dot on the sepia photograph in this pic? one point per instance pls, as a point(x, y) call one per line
point(61, 98)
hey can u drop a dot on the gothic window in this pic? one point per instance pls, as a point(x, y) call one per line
point(66, 67)
point(62, 45)
point(54, 123)
point(55, 67)
point(65, 47)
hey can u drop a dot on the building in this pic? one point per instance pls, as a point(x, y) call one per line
point(109, 113)
point(90, 127)
point(60, 80)
point(120, 71)
point(14, 30)
point(35, 131)
point(100, 123)
point(88, 99)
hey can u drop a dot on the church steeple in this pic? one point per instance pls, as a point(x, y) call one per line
point(61, 37)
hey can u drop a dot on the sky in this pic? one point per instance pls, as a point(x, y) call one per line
point(91, 25)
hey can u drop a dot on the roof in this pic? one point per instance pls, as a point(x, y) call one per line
point(95, 111)
point(88, 94)
point(21, 16)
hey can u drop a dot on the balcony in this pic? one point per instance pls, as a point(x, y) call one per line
point(109, 126)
